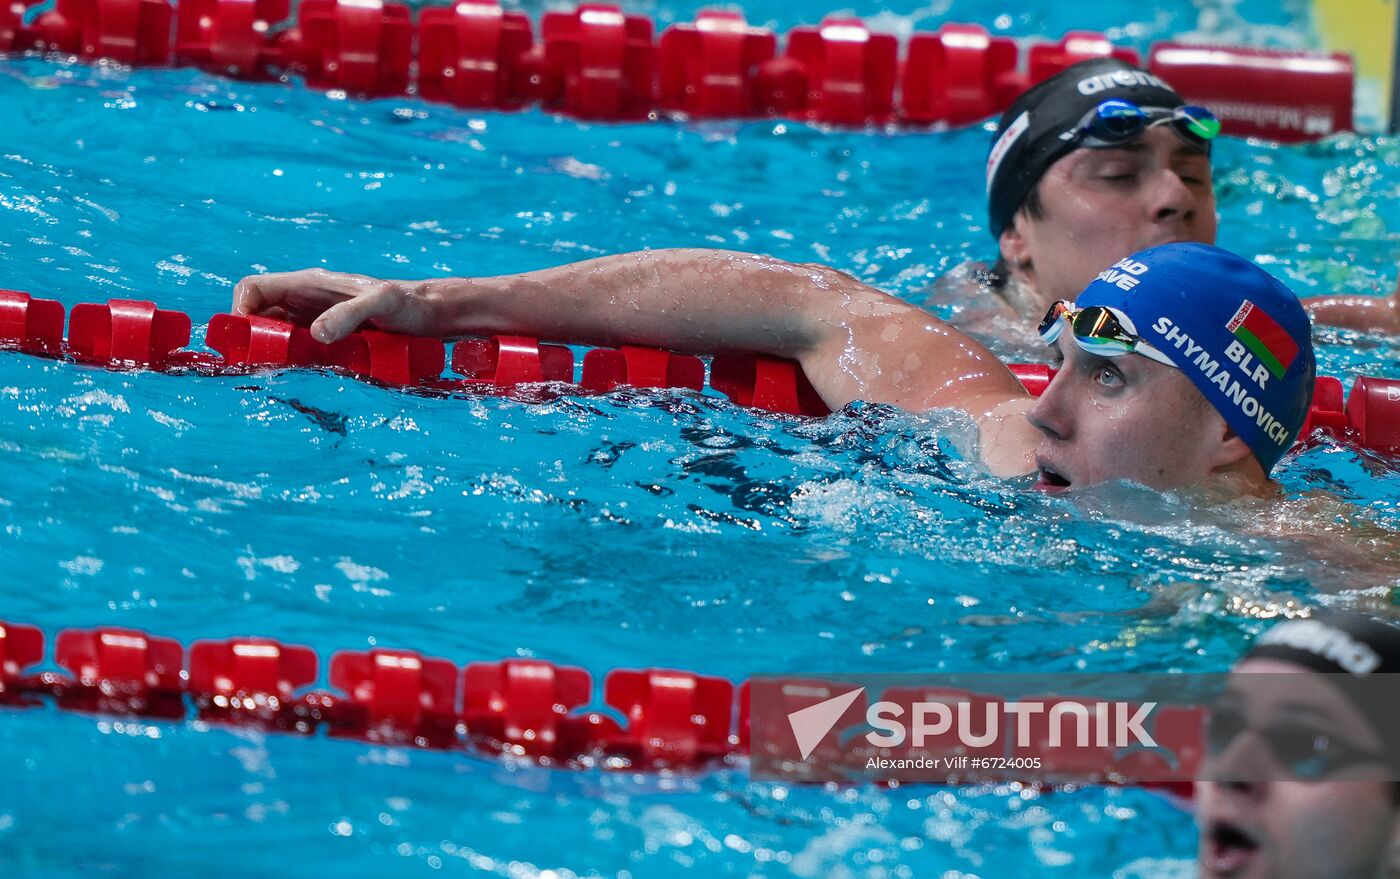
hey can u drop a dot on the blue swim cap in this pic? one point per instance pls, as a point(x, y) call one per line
point(1241, 336)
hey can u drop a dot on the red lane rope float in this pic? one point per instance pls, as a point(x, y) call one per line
point(705, 70)
point(1044, 60)
point(472, 54)
point(125, 333)
point(606, 59)
point(850, 71)
point(959, 75)
point(597, 62)
point(364, 48)
point(227, 36)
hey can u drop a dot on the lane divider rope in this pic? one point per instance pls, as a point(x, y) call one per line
point(529, 709)
point(597, 62)
point(130, 333)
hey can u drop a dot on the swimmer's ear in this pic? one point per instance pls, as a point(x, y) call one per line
point(1231, 451)
point(1015, 250)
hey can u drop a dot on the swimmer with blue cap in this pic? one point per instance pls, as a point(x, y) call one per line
point(1217, 338)
point(1302, 772)
point(1181, 365)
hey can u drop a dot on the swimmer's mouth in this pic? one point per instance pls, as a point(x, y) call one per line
point(1227, 850)
point(1050, 480)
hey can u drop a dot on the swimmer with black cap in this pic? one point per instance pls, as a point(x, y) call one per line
point(1302, 773)
point(1182, 365)
point(1099, 161)
point(1096, 162)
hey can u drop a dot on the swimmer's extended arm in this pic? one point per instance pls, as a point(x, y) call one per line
point(1368, 314)
point(853, 341)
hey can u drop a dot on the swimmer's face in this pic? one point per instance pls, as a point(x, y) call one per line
point(1345, 825)
point(1105, 418)
point(1102, 204)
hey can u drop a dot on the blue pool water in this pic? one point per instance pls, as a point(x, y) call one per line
point(619, 531)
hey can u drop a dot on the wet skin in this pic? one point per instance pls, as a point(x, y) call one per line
point(1128, 419)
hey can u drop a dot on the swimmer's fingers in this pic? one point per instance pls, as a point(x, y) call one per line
point(334, 304)
point(286, 295)
point(247, 296)
point(300, 296)
point(382, 304)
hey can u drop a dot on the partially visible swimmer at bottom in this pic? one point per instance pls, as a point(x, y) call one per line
point(1302, 774)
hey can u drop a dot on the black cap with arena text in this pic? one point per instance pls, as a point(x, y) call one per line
point(1032, 134)
point(1350, 648)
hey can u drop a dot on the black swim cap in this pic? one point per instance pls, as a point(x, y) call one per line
point(1355, 648)
point(1333, 642)
point(1028, 134)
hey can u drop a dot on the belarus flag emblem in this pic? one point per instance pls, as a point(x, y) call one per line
point(1263, 336)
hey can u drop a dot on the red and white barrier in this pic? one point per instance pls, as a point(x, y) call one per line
point(1285, 96)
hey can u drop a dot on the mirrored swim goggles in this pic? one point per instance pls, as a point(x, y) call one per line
point(1304, 752)
point(1116, 122)
point(1099, 330)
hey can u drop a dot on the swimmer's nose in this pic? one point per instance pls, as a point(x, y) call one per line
point(1048, 413)
point(1245, 766)
point(1172, 198)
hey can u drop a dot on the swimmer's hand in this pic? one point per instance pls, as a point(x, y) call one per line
point(335, 304)
point(1367, 314)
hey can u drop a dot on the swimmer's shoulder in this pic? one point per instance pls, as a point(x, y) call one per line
point(968, 297)
point(966, 289)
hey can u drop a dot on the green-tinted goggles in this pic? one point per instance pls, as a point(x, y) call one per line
point(1116, 122)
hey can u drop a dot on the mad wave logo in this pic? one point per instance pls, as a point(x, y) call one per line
point(1119, 79)
point(1125, 274)
point(1236, 393)
point(1263, 336)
